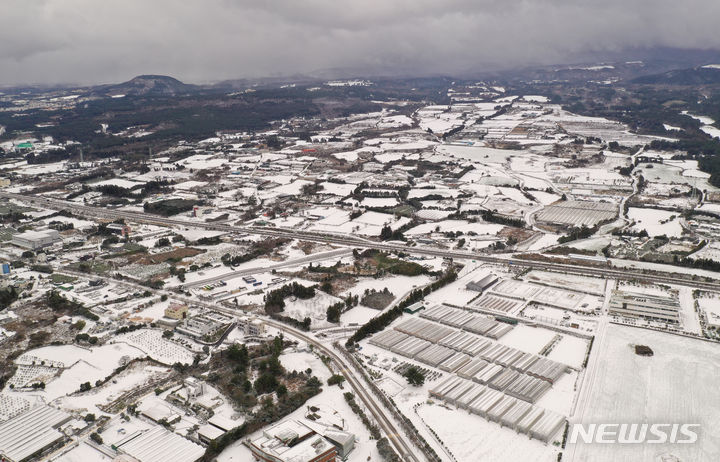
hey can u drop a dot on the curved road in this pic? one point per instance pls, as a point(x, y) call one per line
point(396, 437)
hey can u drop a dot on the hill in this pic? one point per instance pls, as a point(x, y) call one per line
point(700, 75)
point(147, 85)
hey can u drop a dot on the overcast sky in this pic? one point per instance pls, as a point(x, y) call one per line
point(103, 41)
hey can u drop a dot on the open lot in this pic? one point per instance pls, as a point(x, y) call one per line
point(678, 384)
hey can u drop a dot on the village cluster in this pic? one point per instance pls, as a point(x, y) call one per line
point(148, 304)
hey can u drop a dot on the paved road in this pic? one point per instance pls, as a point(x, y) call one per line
point(349, 240)
point(260, 269)
point(589, 381)
point(395, 436)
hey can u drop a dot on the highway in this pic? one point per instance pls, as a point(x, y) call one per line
point(344, 252)
point(396, 437)
point(353, 241)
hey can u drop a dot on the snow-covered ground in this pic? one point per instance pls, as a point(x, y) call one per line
point(331, 398)
point(676, 385)
point(471, 438)
point(152, 343)
point(656, 222)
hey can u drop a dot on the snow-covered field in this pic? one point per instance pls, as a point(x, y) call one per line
point(315, 308)
point(78, 365)
point(656, 222)
point(678, 384)
point(152, 343)
point(471, 438)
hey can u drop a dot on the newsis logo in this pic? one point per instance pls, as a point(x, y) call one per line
point(635, 433)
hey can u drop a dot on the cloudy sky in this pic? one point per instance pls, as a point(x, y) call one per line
point(102, 41)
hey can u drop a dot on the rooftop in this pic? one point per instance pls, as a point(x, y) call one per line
point(33, 431)
point(160, 445)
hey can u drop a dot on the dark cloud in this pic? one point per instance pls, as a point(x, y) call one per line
point(91, 41)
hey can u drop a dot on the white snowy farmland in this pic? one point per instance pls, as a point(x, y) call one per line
point(314, 308)
point(678, 384)
point(152, 343)
point(656, 222)
point(76, 365)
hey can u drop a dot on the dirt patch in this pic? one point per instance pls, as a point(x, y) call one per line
point(518, 233)
point(313, 247)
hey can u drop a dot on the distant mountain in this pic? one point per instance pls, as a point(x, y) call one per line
point(700, 75)
point(147, 85)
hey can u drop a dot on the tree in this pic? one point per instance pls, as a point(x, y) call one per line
point(278, 345)
point(335, 379)
point(313, 382)
point(239, 354)
point(85, 386)
point(333, 312)
point(266, 383)
point(97, 438)
point(414, 376)
point(274, 367)
point(7, 296)
point(89, 417)
point(326, 287)
point(274, 142)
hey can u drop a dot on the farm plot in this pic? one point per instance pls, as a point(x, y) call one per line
point(595, 286)
point(655, 222)
point(71, 366)
point(528, 339)
point(559, 298)
point(154, 345)
point(11, 406)
point(472, 438)
point(678, 384)
point(518, 290)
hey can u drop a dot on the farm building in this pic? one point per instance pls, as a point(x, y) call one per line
point(577, 213)
point(482, 284)
point(36, 239)
point(499, 407)
point(292, 441)
point(650, 307)
point(159, 445)
point(31, 433)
